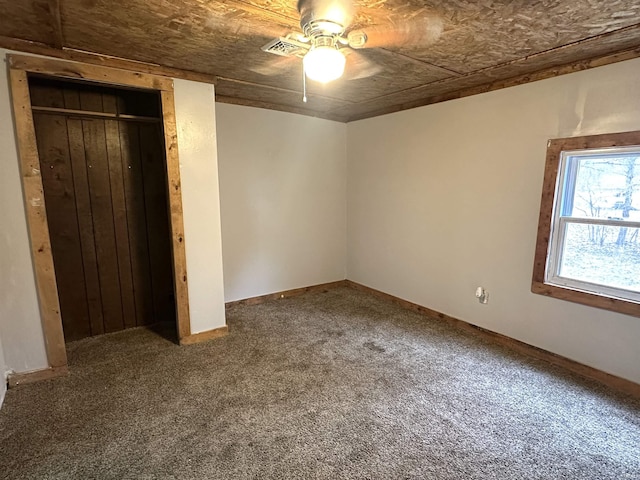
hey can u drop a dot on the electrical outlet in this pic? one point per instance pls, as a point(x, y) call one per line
point(482, 295)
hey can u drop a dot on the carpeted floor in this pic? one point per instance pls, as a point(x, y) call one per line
point(329, 385)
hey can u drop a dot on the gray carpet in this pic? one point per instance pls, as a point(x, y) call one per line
point(330, 385)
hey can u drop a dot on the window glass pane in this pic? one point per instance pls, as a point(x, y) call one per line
point(603, 186)
point(605, 255)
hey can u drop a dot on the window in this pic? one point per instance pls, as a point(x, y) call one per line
point(588, 247)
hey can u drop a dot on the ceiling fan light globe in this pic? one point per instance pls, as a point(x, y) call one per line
point(324, 64)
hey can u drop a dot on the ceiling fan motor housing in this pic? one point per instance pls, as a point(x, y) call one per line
point(324, 17)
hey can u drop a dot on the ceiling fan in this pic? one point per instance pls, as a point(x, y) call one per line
point(327, 37)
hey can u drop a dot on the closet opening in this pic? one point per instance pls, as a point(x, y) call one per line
point(103, 169)
point(98, 153)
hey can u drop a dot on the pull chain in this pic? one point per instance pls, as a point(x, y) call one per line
point(304, 86)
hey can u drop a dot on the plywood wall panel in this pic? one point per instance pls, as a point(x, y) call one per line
point(102, 213)
point(488, 33)
point(157, 215)
point(33, 20)
point(58, 183)
point(85, 219)
point(137, 221)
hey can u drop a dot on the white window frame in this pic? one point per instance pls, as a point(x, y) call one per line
point(560, 222)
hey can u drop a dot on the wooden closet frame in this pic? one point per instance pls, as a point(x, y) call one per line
point(20, 66)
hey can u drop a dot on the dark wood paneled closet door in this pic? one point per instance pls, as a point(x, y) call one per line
point(106, 200)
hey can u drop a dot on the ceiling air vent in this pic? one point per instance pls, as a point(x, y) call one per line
point(286, 47)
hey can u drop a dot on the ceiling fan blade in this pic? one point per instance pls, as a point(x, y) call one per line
point(417, 31)
point(358, 66)
point(276, 66)
point(337, 11)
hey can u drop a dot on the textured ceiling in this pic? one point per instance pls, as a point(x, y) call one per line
point(484, 45)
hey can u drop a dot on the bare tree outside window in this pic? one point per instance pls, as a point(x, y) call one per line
point(600, 186)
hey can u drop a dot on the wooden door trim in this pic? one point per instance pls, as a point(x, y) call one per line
point(94, 73)
point(176, 223)
point(33, 190)
point(20, 66)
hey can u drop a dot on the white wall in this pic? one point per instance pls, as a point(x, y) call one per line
point(283, 199)
point(196, 120)
point(445, 198)
point(20, 326)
